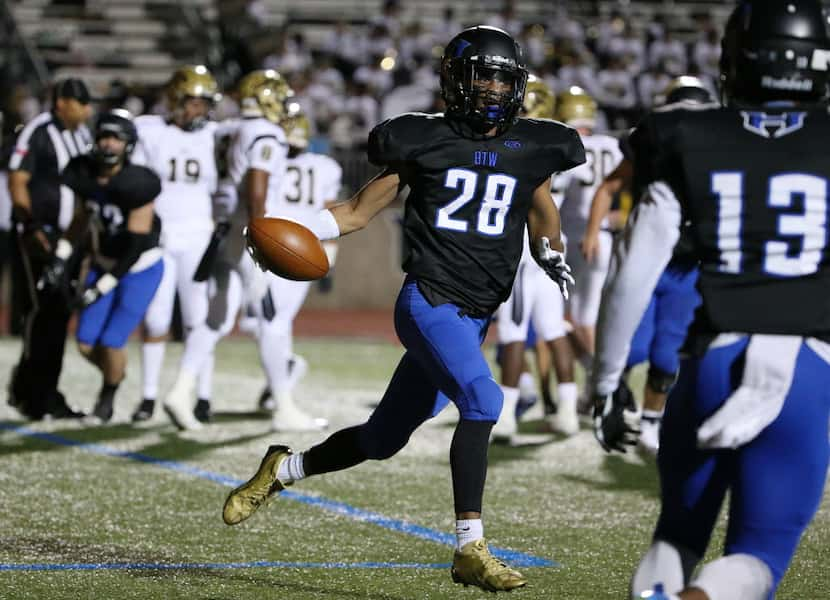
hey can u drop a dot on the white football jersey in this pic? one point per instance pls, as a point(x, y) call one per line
point(185, 162)
point(311, 180)
point(574, 190)
point(257, 143)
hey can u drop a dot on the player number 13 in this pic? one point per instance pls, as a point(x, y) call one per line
point(498, 195)
point(809, 226)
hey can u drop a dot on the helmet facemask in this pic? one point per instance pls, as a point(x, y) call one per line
point(484, 91)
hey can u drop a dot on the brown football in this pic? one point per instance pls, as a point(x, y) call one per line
point(288, 249)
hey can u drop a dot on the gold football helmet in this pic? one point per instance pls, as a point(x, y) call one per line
point(576, 108)
point(263, 93)
point(539, 100)
point(297, 130)
point(194, 81)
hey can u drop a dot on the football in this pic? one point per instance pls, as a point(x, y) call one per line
point(288, 249)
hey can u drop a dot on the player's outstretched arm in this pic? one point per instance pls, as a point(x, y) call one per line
point(640, 256)
point(356, 212)
point(601, 205)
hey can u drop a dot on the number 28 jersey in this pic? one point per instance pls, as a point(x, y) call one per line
point(186, 164)
point(753, 188)
point(465, 217)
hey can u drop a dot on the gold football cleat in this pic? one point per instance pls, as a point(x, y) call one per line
point(474, 565)
point(244, 500)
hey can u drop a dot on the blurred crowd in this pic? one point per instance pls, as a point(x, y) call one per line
point(360, 73)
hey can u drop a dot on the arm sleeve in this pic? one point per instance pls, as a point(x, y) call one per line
point(136, 244)
point(639, 258)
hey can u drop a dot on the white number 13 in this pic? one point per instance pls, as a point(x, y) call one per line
point(809, 226)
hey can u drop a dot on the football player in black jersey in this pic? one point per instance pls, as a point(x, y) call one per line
point(116, 208)
point(478, 177)
point(749, 413)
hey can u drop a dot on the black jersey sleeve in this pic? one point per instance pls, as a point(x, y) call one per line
point(392, 142)
point(136, 186)
point(563, 149)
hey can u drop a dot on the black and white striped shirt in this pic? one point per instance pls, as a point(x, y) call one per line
point(43, 148)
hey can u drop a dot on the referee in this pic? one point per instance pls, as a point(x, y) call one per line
point(43, 208)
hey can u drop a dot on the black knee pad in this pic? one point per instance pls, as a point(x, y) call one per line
point(660, 381)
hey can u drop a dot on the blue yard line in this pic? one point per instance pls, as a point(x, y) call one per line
point(210, 565)
point(519, 559)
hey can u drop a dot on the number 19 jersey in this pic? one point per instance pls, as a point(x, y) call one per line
point(185, 163)
point(465, 216)
point(753, 187)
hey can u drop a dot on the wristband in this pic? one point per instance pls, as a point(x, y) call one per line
point(324, 225)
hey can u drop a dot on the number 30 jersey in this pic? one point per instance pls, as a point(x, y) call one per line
point(753, 190)
point(465, 217)
point(186, 164)
point(578, 186)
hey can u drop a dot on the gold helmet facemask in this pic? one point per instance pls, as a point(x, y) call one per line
point(191, 81)
point(576, 108)
point(539, 100)
point(264, 93)
point(297, 130)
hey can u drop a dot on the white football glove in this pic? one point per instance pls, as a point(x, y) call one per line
point(553, 262)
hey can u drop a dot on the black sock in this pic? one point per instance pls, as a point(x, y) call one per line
point(468, 461)
point(340, 451)
point(107, 393)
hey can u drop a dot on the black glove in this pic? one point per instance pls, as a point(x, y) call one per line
point(610, 427)
point(212, 252)
point(53, 277)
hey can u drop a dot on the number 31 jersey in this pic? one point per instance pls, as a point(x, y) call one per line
point(185, 162)
point(465, 217)
point(311, 180)
point(753, 188)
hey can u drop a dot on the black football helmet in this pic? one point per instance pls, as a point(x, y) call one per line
point(475, 59)
point(775, 50)
point(119, 123)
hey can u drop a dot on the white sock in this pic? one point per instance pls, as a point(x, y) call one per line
point(511, 398)
point(735, 576)
point(566, 396)
point(291, 469)
point(205, 389)
point(152, 357)
point(661, 564)
point(527, 385)
point(467, 530)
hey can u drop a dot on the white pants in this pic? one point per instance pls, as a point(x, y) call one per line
point(535, 298)
point(182, 253)
point(275, 303)
point(586, 294)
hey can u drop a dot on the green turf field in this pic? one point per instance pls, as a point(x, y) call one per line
point(119, 512)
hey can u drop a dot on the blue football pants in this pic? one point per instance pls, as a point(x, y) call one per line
point(776, 481)
point(443, 362)
point(663, 328)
